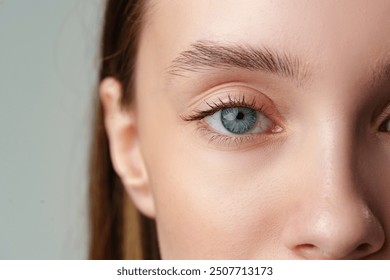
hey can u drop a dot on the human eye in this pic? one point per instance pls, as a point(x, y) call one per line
point(385, 120)
point(235, 121)
point(385, 126)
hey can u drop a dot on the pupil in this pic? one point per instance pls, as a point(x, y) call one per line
point(240, 116)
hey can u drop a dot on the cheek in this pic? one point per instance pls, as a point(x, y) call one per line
point(207, 207)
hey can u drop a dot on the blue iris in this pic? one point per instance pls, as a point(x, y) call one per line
point(238, 120)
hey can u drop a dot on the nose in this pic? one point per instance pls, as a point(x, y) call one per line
point(332, 218)
point(334, 229)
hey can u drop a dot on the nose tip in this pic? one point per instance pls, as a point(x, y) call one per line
point(324, 234)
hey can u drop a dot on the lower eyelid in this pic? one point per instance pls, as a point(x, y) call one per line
point(226, 140)
point(233, 140)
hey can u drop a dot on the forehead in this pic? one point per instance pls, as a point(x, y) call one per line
point(340, 30)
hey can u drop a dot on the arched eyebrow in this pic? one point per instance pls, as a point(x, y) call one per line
point(208, 55)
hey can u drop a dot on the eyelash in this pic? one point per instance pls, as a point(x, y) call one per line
point(382, 127)
point(215, 107)
point(199, 115)
point(385, 116)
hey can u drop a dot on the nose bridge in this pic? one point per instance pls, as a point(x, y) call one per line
point(335, 152)
point(339, 186)
point(339, 189)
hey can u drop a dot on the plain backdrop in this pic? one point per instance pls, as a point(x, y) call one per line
point(48, 68)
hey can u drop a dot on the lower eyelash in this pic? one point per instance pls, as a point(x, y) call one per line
point(227, 140)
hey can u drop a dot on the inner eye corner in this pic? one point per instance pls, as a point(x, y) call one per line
point(384, 126)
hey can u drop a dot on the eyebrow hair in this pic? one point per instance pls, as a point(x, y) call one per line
point(203, 55)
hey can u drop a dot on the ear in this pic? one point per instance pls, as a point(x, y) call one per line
point(121, 127)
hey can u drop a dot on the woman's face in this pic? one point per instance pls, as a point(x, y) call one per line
point(264, 127)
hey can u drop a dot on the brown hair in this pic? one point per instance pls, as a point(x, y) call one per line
point(117, 229)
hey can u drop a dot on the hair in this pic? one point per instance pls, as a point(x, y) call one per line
point(117, 229)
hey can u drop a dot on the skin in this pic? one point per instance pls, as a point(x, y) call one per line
point(317, 187)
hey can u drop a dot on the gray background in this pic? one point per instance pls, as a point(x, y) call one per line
point(48, 66)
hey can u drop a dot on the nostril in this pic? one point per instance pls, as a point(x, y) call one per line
point(363, 247)
point(305, 247)
point(308, 251)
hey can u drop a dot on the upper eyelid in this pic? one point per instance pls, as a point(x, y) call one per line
point(386, 113)
point(381, 115)
point(384, 118)
point(232, 102)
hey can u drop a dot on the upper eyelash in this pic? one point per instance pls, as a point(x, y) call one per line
point(215, 107)
point(382, 125)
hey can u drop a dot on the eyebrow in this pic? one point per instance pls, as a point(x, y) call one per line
point(206, 55)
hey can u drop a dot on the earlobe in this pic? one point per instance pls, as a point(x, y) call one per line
point(126, 156)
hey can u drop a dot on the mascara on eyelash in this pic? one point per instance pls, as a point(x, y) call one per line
point(215, 107)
